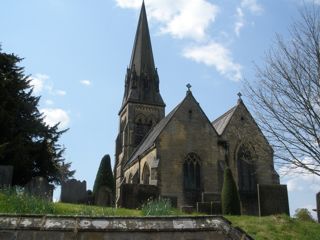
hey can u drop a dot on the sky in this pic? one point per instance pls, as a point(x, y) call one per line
point(76, 53)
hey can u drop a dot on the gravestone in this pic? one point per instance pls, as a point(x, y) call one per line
point(273, 199)
point(73, 191)
point(39, 187)
point(6, 172)
point(318, 206)
point(103, 197)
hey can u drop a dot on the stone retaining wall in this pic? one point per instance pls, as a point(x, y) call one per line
point(123, 228)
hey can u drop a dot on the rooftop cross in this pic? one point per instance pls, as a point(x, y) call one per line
point(239, 95)
point(188, 86)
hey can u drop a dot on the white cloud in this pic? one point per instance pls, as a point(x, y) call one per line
point(38, 81)
point(215, 55)
point(252, 6)
point(240, 21)
point(53, 116)
point(179, 18)
point(60, 92)
point(85, 82)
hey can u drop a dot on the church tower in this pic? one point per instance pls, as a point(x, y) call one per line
point(142, 106)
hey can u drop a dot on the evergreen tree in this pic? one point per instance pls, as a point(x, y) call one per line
point(104, 175)
point(229, 196)
point(26, 141)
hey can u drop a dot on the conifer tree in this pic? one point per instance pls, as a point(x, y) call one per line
point(229, 196)
point(104, 175)
point(26, 141)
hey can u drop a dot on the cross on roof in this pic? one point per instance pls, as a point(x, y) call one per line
point(188, 86)
point(239, 95)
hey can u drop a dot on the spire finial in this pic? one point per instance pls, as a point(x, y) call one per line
point(188, 86)
point(239, 95)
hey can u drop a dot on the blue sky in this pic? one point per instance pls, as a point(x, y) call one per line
point(77, 51)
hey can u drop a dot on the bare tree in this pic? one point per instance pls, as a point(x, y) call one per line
point(286, 94)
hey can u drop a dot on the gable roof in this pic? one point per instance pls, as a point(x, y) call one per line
point(149, 140)
point(222, 122)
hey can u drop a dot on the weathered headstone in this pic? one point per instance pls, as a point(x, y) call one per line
point(103, 196)
point(39, 187)
point(6, 173)
point(318, 206)
point(74, 191)
point(273, 199)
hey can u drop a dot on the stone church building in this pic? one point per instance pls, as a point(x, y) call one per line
point(184, 153)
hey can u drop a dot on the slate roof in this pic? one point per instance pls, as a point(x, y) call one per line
point(221, 122)
point(149, 140)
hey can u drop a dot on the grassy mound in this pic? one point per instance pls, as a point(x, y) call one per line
point(279, 227)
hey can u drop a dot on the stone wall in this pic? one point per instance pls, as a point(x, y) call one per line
point(142, 228)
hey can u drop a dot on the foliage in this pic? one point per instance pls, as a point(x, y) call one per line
point(278, 227)
point(104, 175)
point(159, 207)
point(230, 200)
point(16, 201)
point(26, 141)
point(303, 214)
point(286, 94)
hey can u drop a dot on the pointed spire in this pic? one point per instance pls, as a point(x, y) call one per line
point(142, 56)
point(142, 80)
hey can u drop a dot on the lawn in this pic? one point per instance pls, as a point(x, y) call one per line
point(277, 227)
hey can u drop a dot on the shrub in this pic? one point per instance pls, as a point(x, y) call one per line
point(303, 214)
point(104, 176)
point(230, 197)
point(159, 207)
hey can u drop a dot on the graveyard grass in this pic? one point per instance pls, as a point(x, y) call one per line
point(260, 228)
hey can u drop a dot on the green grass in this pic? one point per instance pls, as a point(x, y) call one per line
point(12, 203)
point(279, 227)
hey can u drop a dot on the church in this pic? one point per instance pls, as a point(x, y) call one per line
point(183, 154)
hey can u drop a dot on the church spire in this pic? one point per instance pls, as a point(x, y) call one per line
point(142, 81)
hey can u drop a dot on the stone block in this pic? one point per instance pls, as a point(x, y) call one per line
point(39, 187)
point(318, 206)
point(73, 191)
point(6, 173)
point(134, 195)
point(103, 197)
point(210, 197)
point(273, 199)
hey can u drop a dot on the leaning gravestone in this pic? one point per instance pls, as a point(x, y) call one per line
point(318, 206)
point(6, 173)
point(74, 191)
point(103, 197)
point(39, 187)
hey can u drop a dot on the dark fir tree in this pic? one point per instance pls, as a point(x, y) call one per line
point(26, 141)
point(229, 196)
point(104, 175)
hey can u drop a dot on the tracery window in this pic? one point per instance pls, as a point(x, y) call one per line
point(246, 170)
point(191, 172)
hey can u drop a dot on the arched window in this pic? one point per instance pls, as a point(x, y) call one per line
point(191, 172)
point(246, 170)
point(145, 174)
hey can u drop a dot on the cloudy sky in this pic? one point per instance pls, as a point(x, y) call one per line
point(77, 51)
